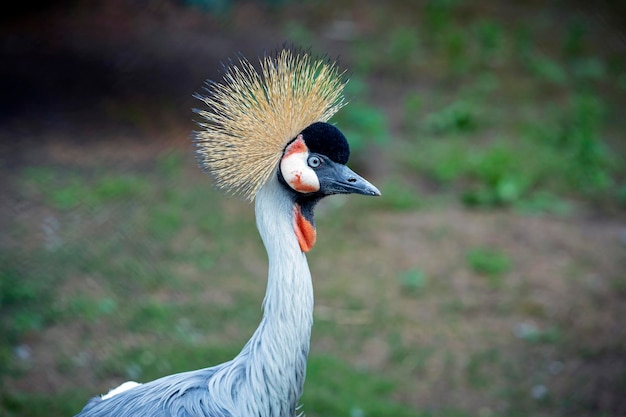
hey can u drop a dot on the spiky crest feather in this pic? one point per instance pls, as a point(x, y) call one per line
point(252, 116)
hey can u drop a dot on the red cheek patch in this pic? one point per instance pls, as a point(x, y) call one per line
point(297, 146)
point(304, 229)
point(297, 184)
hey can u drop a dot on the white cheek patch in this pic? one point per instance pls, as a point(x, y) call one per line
point(296, 170)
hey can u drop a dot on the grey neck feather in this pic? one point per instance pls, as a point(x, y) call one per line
point(279, 348)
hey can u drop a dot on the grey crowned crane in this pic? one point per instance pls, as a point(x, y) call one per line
point(265, 137)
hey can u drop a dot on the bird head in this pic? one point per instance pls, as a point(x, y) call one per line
point(274, 122)
point(313, 165)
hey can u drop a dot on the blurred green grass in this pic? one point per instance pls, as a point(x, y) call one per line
point(503, 122)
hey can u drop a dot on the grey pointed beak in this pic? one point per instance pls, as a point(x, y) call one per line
point(339, 179)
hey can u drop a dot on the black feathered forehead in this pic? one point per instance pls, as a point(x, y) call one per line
point(326, 139)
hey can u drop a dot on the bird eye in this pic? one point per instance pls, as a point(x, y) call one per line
point(314, 161)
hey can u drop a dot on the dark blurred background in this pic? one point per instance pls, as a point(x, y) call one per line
point(488, 280)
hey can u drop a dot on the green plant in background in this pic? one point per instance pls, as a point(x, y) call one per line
point(560, 152)
point(492, 263)
point(522, 43)
point(621, 81)
point(478, 367)
point(458, 117)
point(413, 281)
point(299, 34)
point(398, 53)
point(163, 358)
point(582, 137)
point(490, 39)
point(542, 201)
point(531, 333)
point(413, 103)
point(439, 14)
point(403, 51)
point(66, 190)
point(334, 388)
point(589, 70)
point(621, 194)
point(455, 46)
point(62, 190)
point(363, 124)
point(397, 197)
point(500, 177)
point(366, 56)
point(26, 294)
point(165, 221)
point(528, 175)
point(448, 161)
point(90, 308)
point(29, 405)
point(575, 137)
point(575, 37)
point(171, 164)
point(118, 187)
point(546, 69)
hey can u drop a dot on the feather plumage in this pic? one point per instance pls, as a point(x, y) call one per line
point(253, 115)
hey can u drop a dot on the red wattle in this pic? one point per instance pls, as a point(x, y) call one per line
point(304, 229)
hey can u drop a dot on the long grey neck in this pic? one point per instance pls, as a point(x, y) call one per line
point(289, 296)
point(279, 348)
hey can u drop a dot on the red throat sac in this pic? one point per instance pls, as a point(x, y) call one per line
point(304, 229)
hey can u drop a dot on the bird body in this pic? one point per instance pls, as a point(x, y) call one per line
point(266, 378)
